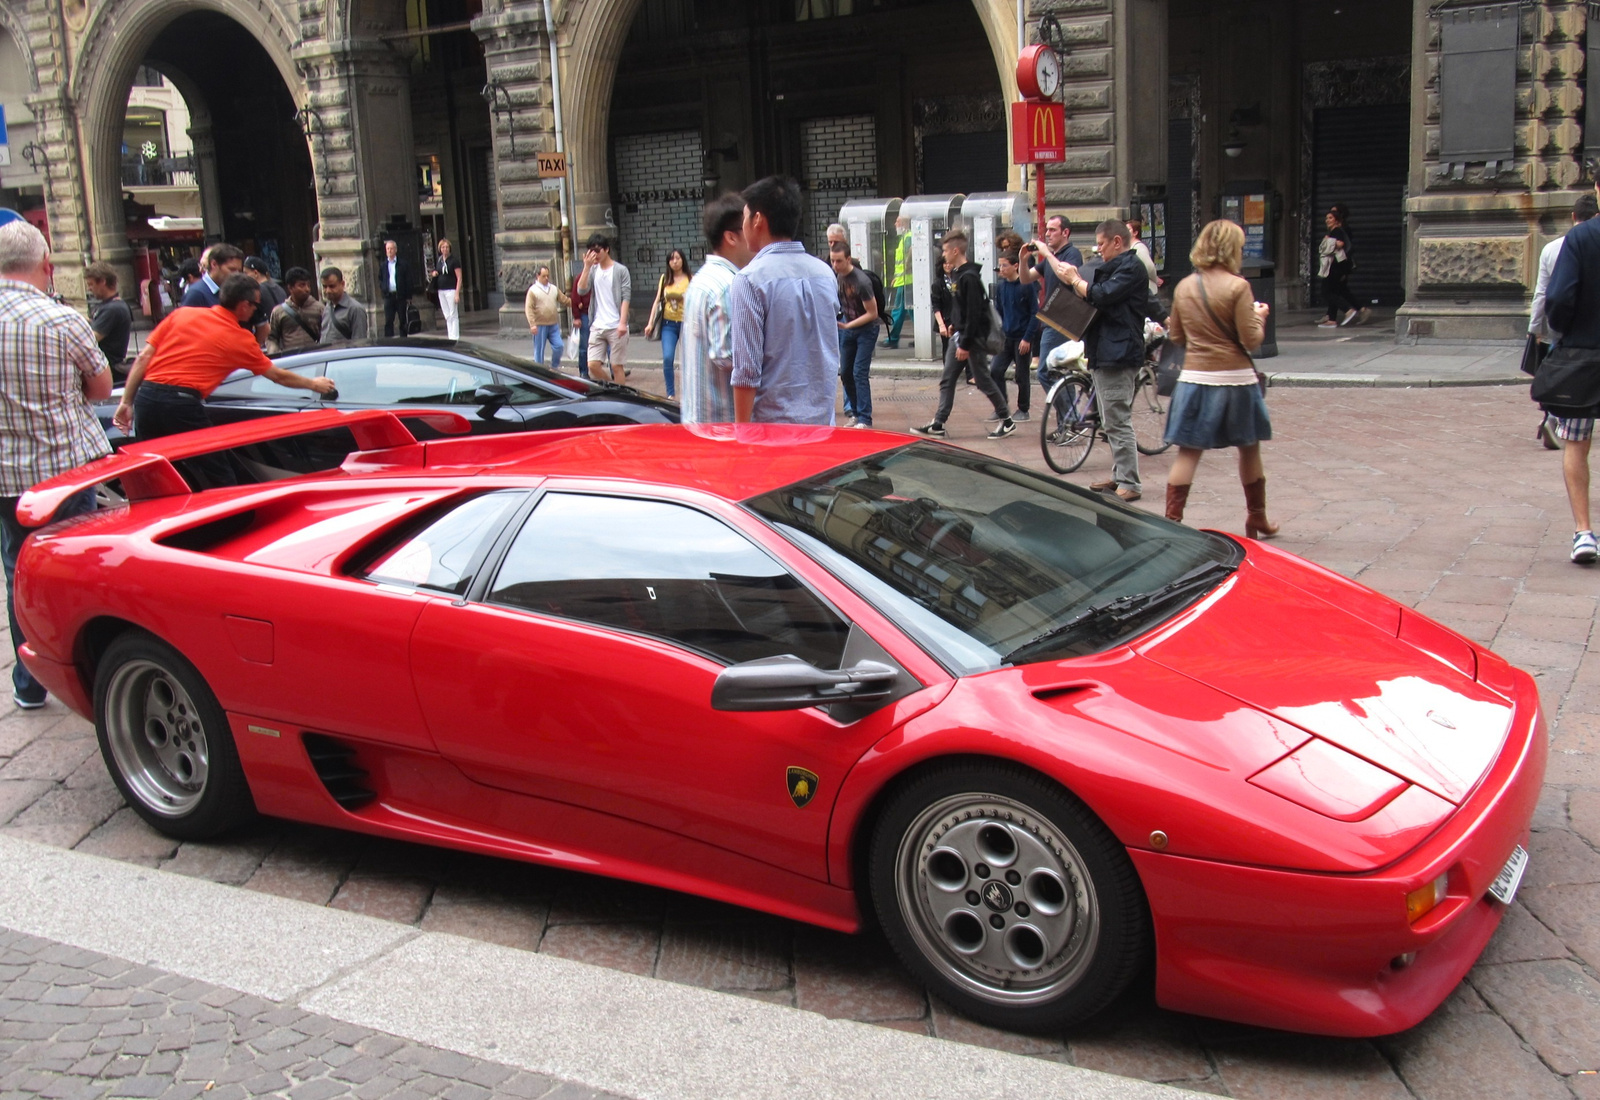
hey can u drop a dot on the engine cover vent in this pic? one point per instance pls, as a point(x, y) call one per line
point(336, 766)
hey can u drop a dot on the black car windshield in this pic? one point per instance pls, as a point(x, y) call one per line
point(987, 564)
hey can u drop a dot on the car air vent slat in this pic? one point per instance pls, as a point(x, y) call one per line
point(349, 784)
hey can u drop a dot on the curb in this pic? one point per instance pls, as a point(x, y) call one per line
point(1299, 379)
point(617, 1032)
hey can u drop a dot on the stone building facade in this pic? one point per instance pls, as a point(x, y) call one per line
point(326, 125)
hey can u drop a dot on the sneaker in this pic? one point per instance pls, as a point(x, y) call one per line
point(1349, 317)
point(1363, 317)
point(862, 424)
point(1327, 323)
point(29, 704)
point(1007, 426)
point(1584, 550)
point(1020, 415)
point(996, 418)
point(935, 431)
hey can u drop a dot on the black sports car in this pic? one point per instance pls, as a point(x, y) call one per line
point(496, 392)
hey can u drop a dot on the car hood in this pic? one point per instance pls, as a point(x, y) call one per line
point(1314, 650)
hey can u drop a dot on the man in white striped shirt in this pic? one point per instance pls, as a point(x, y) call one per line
point(707, 346)
point(50, 369)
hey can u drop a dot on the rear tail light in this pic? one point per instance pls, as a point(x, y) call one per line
point(1425, 898)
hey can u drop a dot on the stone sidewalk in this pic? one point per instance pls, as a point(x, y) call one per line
point(1440, 498)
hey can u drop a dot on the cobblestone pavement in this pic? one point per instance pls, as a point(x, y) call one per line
point(78, 1025)
point(1440, 498)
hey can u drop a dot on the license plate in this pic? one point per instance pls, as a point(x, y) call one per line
point(1504, 886)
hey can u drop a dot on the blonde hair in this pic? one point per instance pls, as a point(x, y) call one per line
point(1221, 244)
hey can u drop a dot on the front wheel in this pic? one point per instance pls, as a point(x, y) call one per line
point(1068, 425)
point(1007, 897)
point(1149, 415)
point(166, 741)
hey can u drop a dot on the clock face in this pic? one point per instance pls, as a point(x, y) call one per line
point(1047, 73)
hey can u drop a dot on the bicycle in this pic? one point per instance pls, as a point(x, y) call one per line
point(1071, 419)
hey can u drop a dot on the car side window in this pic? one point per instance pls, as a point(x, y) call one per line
point(526, 392)
point(442, 554)
point(248, 385)
point(665, 570)
point(407, 380)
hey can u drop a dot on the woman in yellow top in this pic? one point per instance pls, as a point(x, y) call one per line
point(1218, 402)
point(668, 309)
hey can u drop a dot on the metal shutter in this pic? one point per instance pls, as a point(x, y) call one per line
point(1361, 157)
point(1180, 197)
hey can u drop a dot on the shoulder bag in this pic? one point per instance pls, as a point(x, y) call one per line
point(1568, 382)
point(658, 312)
point(1205, 300)
point(1533, 354)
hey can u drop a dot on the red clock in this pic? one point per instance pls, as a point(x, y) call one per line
point(1038, 72)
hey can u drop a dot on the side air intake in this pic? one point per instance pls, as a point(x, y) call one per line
point(336, 766)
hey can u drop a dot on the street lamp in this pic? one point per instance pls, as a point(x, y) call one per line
point(499, 100)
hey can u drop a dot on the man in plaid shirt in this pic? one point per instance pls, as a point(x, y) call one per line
point(50, 370)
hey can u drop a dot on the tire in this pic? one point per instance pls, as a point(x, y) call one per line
point(1067, 425)
point(1067, 887)
point(166, 742)
point(1149, 415)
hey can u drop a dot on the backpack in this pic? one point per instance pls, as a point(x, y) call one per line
point(994, 341)
point(877, 292)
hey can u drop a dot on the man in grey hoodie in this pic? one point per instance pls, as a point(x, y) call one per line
point(611, 287)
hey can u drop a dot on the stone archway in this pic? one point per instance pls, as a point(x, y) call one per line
point(590, 40)
point(115, 43)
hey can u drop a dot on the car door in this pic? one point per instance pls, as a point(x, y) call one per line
point(583, 672)
point(390, 379)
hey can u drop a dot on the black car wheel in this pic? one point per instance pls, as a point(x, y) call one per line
point(1006, 896)
point(166, 741)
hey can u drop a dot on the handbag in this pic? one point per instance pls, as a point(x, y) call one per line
point(1205, 300)
point(1568, 382)
point(652, 331)
point(1533, 354)
point(994, 342)
point(1168, 366)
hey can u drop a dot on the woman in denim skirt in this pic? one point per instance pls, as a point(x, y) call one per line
point(1218, 401)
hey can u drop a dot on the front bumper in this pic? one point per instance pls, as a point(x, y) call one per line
point(1316, 952)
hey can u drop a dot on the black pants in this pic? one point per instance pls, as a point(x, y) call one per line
point(1024, 361)
point(393, 306)
point(1336, 290)
point(161, 410)
point(953, 369)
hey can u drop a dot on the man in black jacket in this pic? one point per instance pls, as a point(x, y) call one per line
point(1120, 290)
point(394, 279)
point(969, 328)
point(1572, 305)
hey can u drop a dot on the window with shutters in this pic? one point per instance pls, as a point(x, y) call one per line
point(1478, 84)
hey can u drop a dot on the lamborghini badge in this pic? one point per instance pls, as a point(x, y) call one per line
point(802, 785)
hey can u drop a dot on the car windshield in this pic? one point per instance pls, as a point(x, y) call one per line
point(987, 564)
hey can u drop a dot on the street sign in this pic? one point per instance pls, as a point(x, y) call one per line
point(1038, 133)
point(552, 165)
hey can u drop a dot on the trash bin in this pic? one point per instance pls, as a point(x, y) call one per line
point(1264, 285)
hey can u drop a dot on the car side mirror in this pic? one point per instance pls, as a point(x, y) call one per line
point(788, 683)
point(492, 395)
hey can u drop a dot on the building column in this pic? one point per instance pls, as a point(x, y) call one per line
point(517, 53)
point(1474, 237)
point(205, 177)
point(61, 166)
point(359, 102)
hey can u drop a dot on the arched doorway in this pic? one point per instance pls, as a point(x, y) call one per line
point(234, 74)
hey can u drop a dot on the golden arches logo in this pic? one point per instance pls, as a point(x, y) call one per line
point(1044, 128)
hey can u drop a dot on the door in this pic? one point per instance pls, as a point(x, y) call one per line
point(491, 400)
point(584, 676)
point(1361, 157)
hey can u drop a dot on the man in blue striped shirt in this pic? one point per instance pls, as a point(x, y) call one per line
point(707, 381)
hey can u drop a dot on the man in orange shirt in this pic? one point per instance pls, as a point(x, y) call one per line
point(187, 356)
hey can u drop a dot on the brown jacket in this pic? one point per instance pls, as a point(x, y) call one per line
point(1211, 346)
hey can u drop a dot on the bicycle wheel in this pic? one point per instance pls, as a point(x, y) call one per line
point(1067, 428)
point(1149, 415)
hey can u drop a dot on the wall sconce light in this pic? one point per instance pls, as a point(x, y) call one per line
point(312, 126)
point(1242, 116)
point(499, 99)
point(709, 175)
point(36, 155)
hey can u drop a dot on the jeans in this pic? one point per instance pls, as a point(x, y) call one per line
point(1003, 359)
point(583, 347)
point(855, 366)
point(12, 533)
point(670, 331)
point(1113, 389)
point(897, 315)
point(953, 369)
point(548, 335)
point(161, 410)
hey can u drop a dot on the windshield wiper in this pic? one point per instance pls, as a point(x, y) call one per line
point(1112, 617)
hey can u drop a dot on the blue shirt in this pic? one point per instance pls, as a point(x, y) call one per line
point(786, 335)
point(202, 293)
point(1017, 305)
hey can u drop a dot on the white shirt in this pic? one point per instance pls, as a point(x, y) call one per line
point(392, 287)
point(606, 314)
point(1537, 324)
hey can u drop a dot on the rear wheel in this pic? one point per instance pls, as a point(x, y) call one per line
point(166, 740)
point(1149, 415)
point(1007, 896)
point(1068, 424)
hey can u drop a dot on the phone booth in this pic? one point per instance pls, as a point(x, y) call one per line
point(988, 214)
point(930, 217)
point(870, 225)
point(1257, 208)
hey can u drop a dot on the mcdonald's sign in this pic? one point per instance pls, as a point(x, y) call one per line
point(1038, 133)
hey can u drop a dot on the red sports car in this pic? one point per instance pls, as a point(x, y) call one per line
point(1040, 737)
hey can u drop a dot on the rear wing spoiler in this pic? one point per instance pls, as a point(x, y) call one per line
point(146, 469)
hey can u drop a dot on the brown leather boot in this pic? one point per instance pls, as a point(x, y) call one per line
point(1177, 497)
point(1256, 524)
